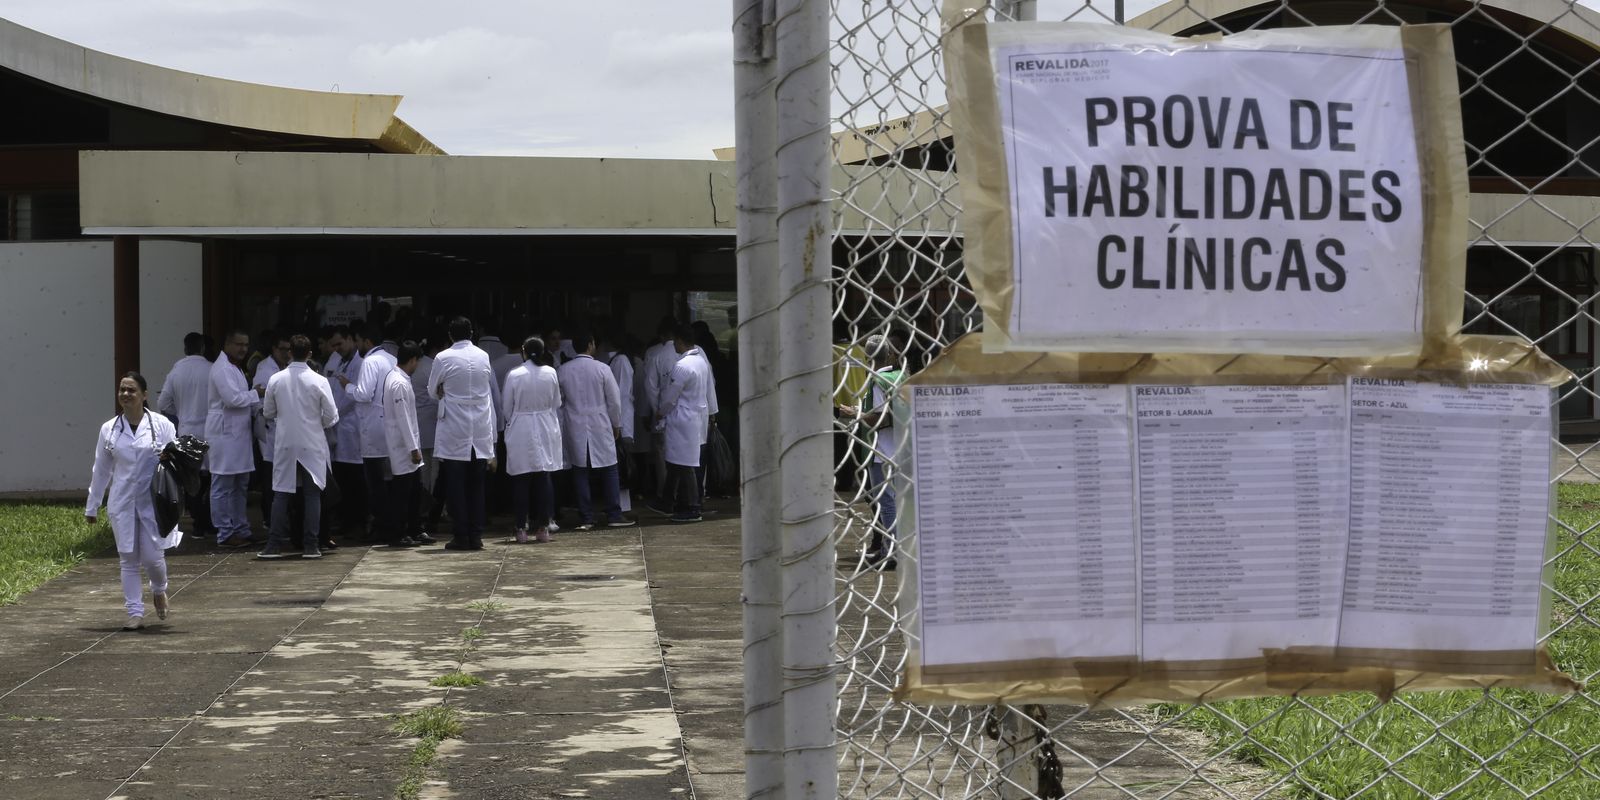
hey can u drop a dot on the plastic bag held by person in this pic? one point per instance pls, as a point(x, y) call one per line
point(177, 474)
point(186, 454)
point(167, 492)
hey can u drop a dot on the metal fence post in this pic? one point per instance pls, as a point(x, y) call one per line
point(755, 139)
point(804, 258)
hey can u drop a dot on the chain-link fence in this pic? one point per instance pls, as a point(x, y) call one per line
point(1530, 96)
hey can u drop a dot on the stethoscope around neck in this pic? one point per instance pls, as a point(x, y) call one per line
point(122, 425)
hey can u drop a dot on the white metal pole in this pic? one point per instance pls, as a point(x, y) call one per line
point(755, 140)
point(810, 696)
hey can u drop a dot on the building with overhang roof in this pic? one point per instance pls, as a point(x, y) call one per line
point(144, 202)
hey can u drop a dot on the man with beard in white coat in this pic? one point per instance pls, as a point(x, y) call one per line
point(591, 424)
point(404, 441)
point(184, 399)
point(228, 432)
point(464, 440)
point(688, 401)
point(300, 404)
point(344, 367)
point(376, 364)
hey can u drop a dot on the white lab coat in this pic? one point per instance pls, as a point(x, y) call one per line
point(125, 458)
point(532, 409)
point(590, 408)
point(264, 427)
point(400, 432)
point(187, 395)
point(347, 434)
point(300, 404)
point(375, 368)
point(688, 411)
point(622, 370)
point(658, 363)
point(228, 419)
point(427, 404)
point(466, 413)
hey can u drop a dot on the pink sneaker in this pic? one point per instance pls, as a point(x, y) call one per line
point(541, 535)
point(522, 536)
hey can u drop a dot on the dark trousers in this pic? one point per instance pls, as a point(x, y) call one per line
point(463, 482)
point(610, 493)
point(405, 497)
point(264, 475)
point(438, 499)
point(352, 498)
point(199, 505)
point(384, 512)
point(543, 491)
point(309, 498)
point(498, 486)
point(562, 492)
point(662, 490)
point(685, 483)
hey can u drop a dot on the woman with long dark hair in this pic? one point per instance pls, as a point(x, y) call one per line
point(125, 458)
point(531, 404)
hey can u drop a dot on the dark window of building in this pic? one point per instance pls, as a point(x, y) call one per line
point(41, 216)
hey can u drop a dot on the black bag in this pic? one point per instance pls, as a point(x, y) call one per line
point(722, 472)
point(177, 475)
point(186, 454)
point(167, 492)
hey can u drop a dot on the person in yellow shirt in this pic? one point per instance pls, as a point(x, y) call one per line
point(851, 374)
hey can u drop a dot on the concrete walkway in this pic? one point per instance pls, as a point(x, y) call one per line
point(281, 679)
point(611, 664)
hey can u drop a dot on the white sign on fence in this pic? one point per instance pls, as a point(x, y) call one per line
point(1381, 519)
point(1220, 196)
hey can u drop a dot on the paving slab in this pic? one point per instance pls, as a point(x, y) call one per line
point(516, 772)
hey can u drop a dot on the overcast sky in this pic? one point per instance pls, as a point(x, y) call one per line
point(621, 78)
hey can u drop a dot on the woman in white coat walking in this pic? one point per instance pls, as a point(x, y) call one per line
point(125, 457)
point(531, 406)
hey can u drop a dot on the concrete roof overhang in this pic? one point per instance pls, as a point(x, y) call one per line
point(218, 101)
point(205, 193)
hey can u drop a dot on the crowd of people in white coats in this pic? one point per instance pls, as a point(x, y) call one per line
point(375, 429)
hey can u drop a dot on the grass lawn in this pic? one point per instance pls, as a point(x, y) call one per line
point(39, 541)
point(1462, 745)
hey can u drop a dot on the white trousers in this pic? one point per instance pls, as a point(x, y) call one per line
point(149, 555)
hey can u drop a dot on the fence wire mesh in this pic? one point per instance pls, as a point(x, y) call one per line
point(1530, 97)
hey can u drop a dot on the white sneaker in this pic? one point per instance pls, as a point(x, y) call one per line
point(554, 528)
point(135, 622)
